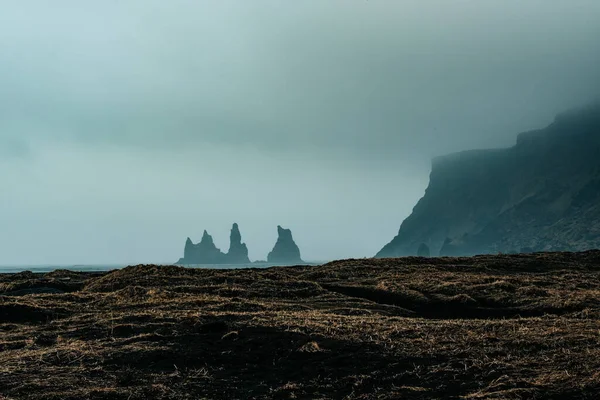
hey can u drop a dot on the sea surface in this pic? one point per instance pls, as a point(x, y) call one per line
point(108, 267)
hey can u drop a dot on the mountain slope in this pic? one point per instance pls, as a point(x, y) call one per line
point(541, 194)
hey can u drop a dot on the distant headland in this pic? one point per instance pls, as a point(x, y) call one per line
point(285, 250)
point(542, 194)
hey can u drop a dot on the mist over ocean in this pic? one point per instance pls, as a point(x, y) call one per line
point(6, 269)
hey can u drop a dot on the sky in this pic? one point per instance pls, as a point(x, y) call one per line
point(128, 125)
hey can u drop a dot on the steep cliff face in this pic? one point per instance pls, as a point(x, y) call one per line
point(285, 251)
point(541, 194)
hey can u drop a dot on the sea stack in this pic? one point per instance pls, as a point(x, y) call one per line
point(188, 251)
point(238, 252)
point(285, 251)
point(206, 252)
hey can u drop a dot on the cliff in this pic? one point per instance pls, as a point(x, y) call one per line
point(285, 251)
point(541, 194)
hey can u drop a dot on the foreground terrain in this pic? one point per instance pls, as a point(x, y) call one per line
point(488, 327)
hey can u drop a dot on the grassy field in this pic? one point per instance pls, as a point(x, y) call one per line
point(488, 327)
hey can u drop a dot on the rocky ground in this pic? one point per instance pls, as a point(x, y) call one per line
point(490, 327)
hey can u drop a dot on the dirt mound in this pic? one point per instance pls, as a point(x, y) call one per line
point(55, 282)
point(141, 275)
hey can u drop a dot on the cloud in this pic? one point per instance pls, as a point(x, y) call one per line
point(341, 75)
point(12, 147)
point(344, 102)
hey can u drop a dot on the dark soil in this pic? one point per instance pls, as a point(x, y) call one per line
point(488, 327)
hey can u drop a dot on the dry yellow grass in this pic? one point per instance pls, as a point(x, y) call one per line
point(493, 327)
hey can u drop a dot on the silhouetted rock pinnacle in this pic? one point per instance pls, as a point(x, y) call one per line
point(189, 247)
point(238, 252)
point(206, 252)
point(285, 251)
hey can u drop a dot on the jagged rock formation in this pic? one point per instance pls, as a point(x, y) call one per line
point(206, 252)
point(238, 252)
point(285, 251)
point(541, 194)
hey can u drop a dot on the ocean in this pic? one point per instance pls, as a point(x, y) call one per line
point(108, 267)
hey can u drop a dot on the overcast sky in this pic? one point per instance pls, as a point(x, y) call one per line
point(126, 126)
